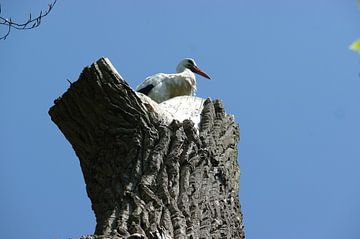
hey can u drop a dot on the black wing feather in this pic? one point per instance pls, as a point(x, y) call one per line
point(146, 89)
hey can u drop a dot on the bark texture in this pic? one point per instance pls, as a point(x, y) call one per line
point(147, 178)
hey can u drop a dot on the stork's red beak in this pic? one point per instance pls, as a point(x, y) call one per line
point(197, 70)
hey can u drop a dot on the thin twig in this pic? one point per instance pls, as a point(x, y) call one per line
point(69, 82)
point(29, 24)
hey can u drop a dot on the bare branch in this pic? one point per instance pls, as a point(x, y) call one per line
point(29, 24)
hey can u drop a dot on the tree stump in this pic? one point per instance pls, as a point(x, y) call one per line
point(150, 171)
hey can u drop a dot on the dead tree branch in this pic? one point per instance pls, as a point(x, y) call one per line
point(29, 24)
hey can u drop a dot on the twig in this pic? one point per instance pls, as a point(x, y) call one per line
point(29, 24)
point(69, 82)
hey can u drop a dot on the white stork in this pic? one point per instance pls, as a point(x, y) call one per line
point(161, 87)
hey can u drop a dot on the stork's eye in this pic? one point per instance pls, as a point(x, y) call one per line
point(191, 62)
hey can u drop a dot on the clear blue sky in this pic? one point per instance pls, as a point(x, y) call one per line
point(282, 67)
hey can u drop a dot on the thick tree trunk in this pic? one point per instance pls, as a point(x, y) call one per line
point(147, 175)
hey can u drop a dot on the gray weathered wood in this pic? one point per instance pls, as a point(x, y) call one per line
point(145, 178)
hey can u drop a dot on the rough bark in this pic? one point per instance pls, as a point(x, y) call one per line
point(147, 178)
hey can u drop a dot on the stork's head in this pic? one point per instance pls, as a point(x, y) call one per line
point(190, 64)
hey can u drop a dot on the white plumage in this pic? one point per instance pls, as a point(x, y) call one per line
point(161, 86)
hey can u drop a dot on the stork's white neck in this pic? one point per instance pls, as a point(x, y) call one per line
point(180, 68)
point(189, 76)
point(187, 79)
